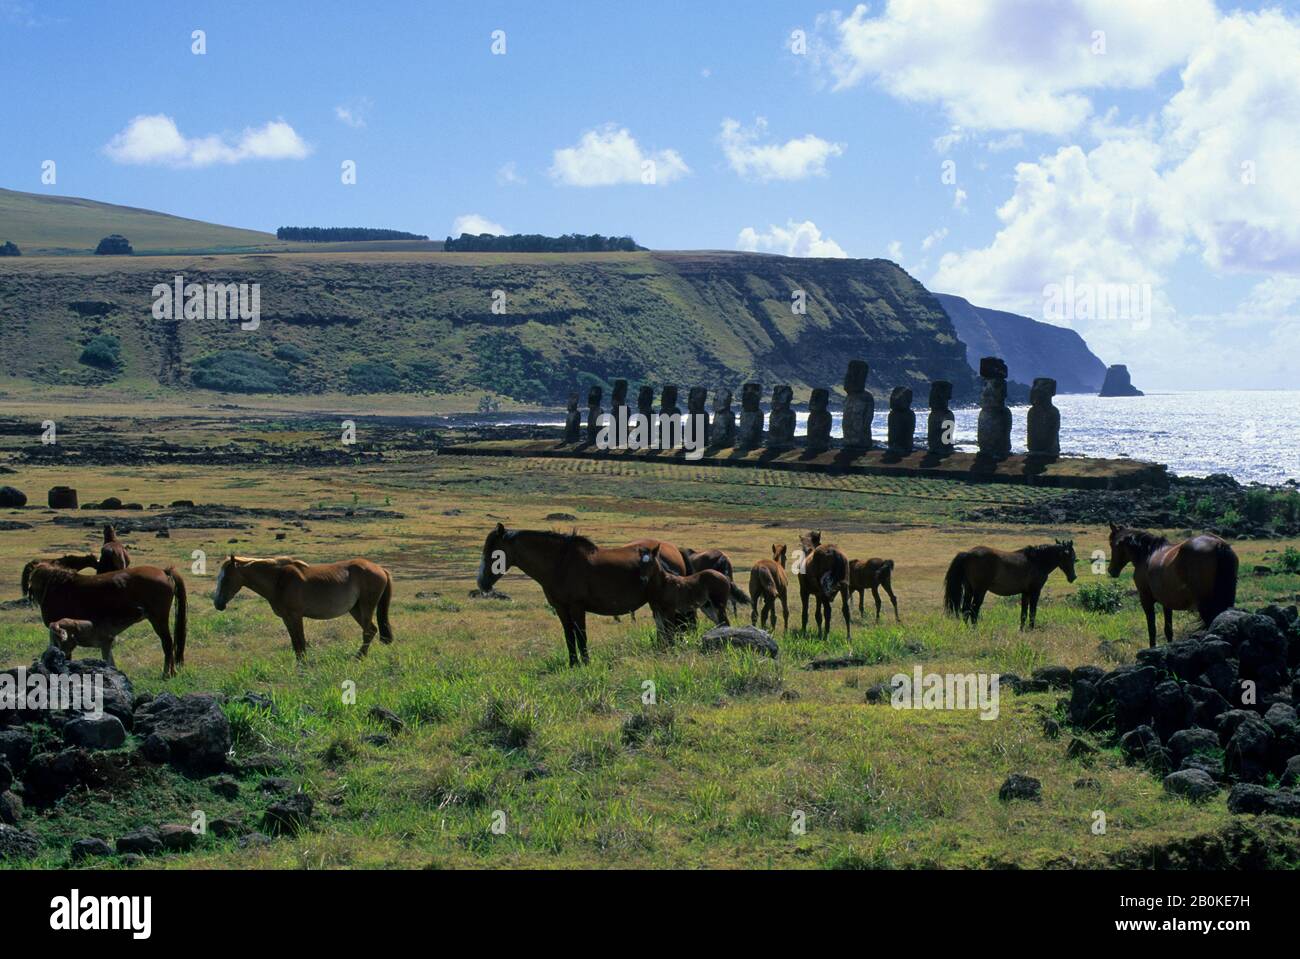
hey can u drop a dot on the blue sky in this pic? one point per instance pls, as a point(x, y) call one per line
point(1103, 168)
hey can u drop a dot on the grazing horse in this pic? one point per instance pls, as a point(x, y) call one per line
point(714, 559)
point(872, 574)
point(981, 570)
point(577, 576)
point(671, 595)
point(767, 584)
point(825, 573)
point(298, 591)
point(73, 562)
point(68, 634)
point(1199, 573)
point(114, 601)
point(113, 554)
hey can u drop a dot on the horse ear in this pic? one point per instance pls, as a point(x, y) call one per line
point(1113, 527)
point(501, 528)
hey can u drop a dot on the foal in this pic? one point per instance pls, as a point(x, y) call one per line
point(767, 584)
point(68, 634)
point(874, 575)
point(670, 595)
point(112, 555)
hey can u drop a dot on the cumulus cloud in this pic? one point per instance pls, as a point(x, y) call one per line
point(794, 239)
point(793, 160)
point(1008, 64)
point(610, 156)
point(476, 224)
point(353, 113)
point(155, 140)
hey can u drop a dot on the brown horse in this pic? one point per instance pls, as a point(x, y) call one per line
point(577, 576)
point(298, 591)
point(68, 634)
point(73, 562)
point(825, 573)
point(874, 575)
point(982, 570)
point(115, 601)
point(671, 595)
point(1199, 573)
point(767, 584)
point(113, 554)
point(717, 560)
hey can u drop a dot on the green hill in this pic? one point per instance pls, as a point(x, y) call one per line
point(403, 322)
point(42, 224)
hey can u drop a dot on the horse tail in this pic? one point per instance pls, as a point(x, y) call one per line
point(838, 573)
point(27, 577)
point(1223, 592)
point(954, 583)
point(738, 594)
point(182, 611)
point(381, 611)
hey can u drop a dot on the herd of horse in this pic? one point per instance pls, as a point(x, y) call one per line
point(578, 577)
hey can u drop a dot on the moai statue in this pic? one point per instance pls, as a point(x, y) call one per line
point(751, 417)
point(902, 421)
point(819, 421)
point(573, 421)
point(645, 402)
point(994, 431)
point(859, 407)
point(668, 400)
point(723, 431)
point(695, 400)
point(942, 424)
point(618, 401)
point(1043, 423)
point(593, 413)
point(780, 422)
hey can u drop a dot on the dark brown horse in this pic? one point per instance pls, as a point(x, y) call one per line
point(115, 601)
point(982, 570)
point(113, 554)
point(767, 584)
point(826, 573)
point(874, 575)
point(1199, 573)
point(671, 595)
point(717, 560)
point(298, 591)
point(577, 576)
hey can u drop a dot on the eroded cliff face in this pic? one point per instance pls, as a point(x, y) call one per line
point(400, 322)
point(1031, 348)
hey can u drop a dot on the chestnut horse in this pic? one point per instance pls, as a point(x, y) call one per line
point(115, 601)
point(74, 562)
point(714, 559)
point(973, 574)
point(1199, 573)
point(577, 576)
point(767, 584)
point(874, 575)
point(298, 591)
point(113, 554)
point(671, 595)
point(825, 573)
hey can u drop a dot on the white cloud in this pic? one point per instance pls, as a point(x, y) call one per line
point(1011, 64)
point(610, 156)
point(959, 199)
point(936, 237)
point(156, 140)
point(793, 160)
point(475, 224)
point(794, 239)
point(508, 175)
point(353, 113)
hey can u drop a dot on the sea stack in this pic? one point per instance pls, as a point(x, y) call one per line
point(1118, 382)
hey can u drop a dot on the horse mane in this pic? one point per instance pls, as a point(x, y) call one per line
point(1043, 551)
point(1142, 542)
point(277, 560)
point(573, 538)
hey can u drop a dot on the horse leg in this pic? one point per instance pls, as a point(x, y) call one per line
point(569, 640)
point(159, 624)
point(1024, 609)
point(803, 596)
point(875, 594)
point(365, 619)
point(862, 602)
point(297, 638)
point(976, 601)
point(580, 634)
point(785, 615)
point(844, 606)
point(1033, 608)
point(1169, 625)
point(1149, 608)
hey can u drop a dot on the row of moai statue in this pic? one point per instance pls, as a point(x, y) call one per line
point(725, 431)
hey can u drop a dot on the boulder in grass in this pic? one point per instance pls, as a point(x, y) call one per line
point(742, 637)
point(12, 498)
point(1193, 742)
point(15, 748)
point(1247, 755)
point(1131, 689)
point(1021, 787)
point(1056, 677)
point(193, 727)
point(1253, 799)
point(145, 841)
point(103, 732)
point(62, 497)
point(51, 776)
point(11, 808)
point(1193, 784)
point(177, 838)
point(1291, 774)
point(1172, 709)
point(17, 843)
point(289, 816)
point(83, 849)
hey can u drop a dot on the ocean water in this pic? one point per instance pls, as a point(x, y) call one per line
point(1252, 435)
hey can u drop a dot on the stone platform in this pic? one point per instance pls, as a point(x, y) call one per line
point(1065, 472)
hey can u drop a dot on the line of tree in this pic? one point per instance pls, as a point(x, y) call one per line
point(536, 243)
point(340, 234)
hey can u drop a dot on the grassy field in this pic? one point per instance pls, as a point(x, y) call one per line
point(576, 767)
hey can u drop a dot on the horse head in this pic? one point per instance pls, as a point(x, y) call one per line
point(778, 554)
point(1068, 559)
point(229, 582)
point(647, 563)
point(810, 540)
point(1119, 553)
point(496, 558)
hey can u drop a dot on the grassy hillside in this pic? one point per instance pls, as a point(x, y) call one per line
point(42, 224)
point(406, 322)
